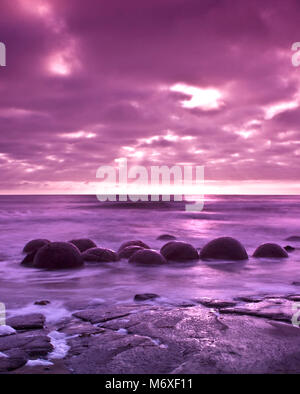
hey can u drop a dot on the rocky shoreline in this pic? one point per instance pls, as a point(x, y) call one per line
point(246, 335)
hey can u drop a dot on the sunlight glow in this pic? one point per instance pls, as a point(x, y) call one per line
point(206, 99)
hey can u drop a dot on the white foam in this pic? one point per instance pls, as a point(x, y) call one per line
point(59, 343)
point(39, 361)
point(6, 330)
point(3, 355)
point(53, 312)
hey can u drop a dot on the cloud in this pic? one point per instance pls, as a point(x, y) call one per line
point(89, 82)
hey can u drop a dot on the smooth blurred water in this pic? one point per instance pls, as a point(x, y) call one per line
point(251, 219)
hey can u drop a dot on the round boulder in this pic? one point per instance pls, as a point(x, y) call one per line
point(224, 248)
point(99, 255)
point(129, 251)
point(31, 249)
point(166, 237)
point(34, 245)
point(270, 250)
point(133, 243)
point(179, 251)
point(58, 255)
point(83, 244)
point(147, 257)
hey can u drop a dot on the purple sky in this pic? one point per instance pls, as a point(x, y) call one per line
point(160, 82)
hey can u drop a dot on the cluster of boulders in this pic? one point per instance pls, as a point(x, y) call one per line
point(41, 253)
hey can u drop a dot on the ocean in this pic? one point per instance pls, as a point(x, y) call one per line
point(252, 220)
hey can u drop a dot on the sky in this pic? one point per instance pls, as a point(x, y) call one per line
point(175, 82)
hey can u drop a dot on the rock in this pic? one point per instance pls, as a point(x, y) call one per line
point(129, 251)
point(133, 243)
point(27, 322)
point(145, 296)
point(83, 244)
point(34, 245)
point(13, 359)
point(31, 249)
point(289, 248)
point(224, 248)
point(179, 251)
point(170, 340)
point(6, 330)
point(271, 308)
point(99, 255)
point(270, 250)
point(166, 237)
point(32, 343)
point(213, 303)
point(42, 302)
point(147, 257)
point(28, 260)
point(103, 313)
point(295, 238)
point(250, 298)
point(58, 255)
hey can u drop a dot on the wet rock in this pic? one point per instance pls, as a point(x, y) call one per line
point(27, 322)
point(166, 237)
point(83, 244)
point(289, 248)
point(213, 303)
point(179, 251)
point(99, 255)
point(224, 248)
point(169, 340)
point(103, 313)
point(270, 250)
point(250, 298)
point(6, 330)
point(34, 245)
point(296, 283)
point(11, 360)
point(31, 249)
point(271, 308)
point(133, 243)
point(145, 296)
point(147, 257)
point(293, 238)
point(129, 251)
point(58, 255)
point(42, 302)
point(33, 344)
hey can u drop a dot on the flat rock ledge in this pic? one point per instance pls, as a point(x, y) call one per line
point(213, 336)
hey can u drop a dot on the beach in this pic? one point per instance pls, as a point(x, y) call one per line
point(205, 316)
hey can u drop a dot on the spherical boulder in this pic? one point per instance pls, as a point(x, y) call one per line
point(166, 237)
point(31, 249)
point(223, 248)
point(99, 255)
point(147, 257)
point(58, 255)
point(293, 238)
point(179, 251)
point(133, 243)
point(270, 250)
point(289, 248)
point(83, 244)
point(128, 251)
point(34, 245)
